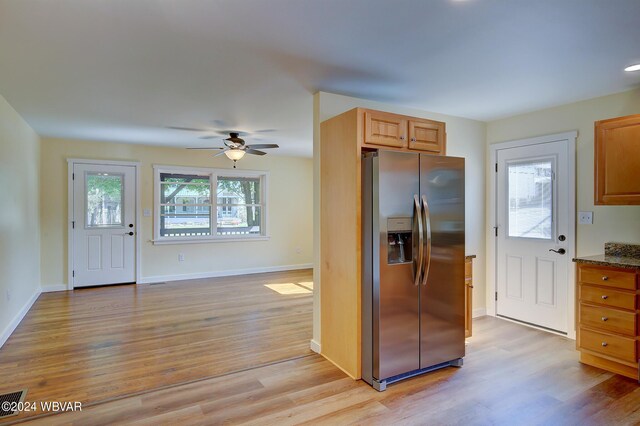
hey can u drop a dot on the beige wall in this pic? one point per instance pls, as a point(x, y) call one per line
point(289, 212)
point(19, 224)
point(610, 223)
point(465, 138)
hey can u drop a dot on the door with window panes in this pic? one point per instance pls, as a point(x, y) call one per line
point(533, 221)
point(104, 227)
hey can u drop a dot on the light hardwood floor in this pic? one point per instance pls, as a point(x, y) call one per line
point(512, 375)
point(97, 344)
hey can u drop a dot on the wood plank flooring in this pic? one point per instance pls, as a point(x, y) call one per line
point(512, 375)
point(98, 344)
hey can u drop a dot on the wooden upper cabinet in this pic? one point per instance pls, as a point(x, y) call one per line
point(617, 160)
point(382, 128)
point(399, 132)
point(426, 135)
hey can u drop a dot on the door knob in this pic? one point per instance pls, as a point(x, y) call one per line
point(561, 237)
point(130, 233)
point(131, 225)
point(559, 251)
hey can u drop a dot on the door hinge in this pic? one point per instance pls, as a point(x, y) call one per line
point(73, 224)
point(496, 167)
point(496, 296)
point(73, 274)
point(73, 176)
point(495, 228)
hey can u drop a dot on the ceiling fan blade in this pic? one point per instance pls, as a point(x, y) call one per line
point(221, 152)
point(206, 148)
point(264, 131)
point(190, 129)
point(254, 152)
point(263, 146)
point(208, 137)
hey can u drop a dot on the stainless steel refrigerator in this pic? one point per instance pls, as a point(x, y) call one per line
point(413, 265)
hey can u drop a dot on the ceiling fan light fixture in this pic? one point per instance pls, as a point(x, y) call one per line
point(631, 68)
point(234, 154)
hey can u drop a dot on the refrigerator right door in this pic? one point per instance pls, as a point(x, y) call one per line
point(442, 287)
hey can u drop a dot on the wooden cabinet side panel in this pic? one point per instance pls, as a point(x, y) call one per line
point(340, 244)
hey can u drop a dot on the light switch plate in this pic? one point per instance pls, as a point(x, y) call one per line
point(585, 218)
point(146, 212)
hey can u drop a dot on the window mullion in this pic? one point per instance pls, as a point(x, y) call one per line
point(214, 205)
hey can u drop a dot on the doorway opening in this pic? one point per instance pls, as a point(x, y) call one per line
point(103, 216)
point(532, 203)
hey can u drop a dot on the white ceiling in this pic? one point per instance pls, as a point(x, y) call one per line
point(123, 70)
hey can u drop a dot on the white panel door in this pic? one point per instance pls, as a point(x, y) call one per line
point(104, 227)
point(533, 221)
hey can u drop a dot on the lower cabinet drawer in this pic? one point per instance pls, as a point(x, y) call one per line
point(607, 297)
point(607, 276)
point(608, 319)
point(607, 344)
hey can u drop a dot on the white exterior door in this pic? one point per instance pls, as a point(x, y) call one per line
point(533, 218)
point(104, 227)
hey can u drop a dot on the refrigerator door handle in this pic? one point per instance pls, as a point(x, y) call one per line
point(427, 242)
point(417, 228)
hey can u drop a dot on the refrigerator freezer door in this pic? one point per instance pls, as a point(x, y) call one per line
point(396, 304)
point(442, 292)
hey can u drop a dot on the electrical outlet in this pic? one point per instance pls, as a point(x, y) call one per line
point(585, 218)
point(180, 257)
point(298, 250)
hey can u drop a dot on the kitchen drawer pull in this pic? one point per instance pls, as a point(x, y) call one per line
point(604, 318)
point(605, 297)
point(605, 278)
point(604, 344)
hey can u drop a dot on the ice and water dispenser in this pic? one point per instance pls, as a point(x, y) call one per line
point(399, 240)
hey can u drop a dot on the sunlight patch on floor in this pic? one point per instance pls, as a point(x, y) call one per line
point(307, 284)
point(288, 288)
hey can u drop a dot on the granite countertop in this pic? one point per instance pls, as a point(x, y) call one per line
point(615, 254)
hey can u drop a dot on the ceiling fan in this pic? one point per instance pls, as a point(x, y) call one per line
point(236, 148)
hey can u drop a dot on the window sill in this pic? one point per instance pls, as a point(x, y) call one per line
point(208, 240)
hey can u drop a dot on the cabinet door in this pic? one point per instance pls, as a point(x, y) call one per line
point(617, 160)
point(427, 135)
point(385, 129)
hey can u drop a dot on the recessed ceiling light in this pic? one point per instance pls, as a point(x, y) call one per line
point(635, 67)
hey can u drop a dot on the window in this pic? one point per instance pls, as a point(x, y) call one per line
point(208, 204)
point(530, 199)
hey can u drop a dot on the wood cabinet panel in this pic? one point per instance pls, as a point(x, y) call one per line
point(608, 344)
point(608, 277)
point(617, 160)
point(608, 319)
point(385, 129)
point(426, 135)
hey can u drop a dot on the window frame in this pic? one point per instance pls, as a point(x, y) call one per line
point(213, 174)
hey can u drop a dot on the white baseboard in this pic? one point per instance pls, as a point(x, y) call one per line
point(479, 312)
point(19, 316)
point(315, 346)
point(225, 273)
point(54, 287)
